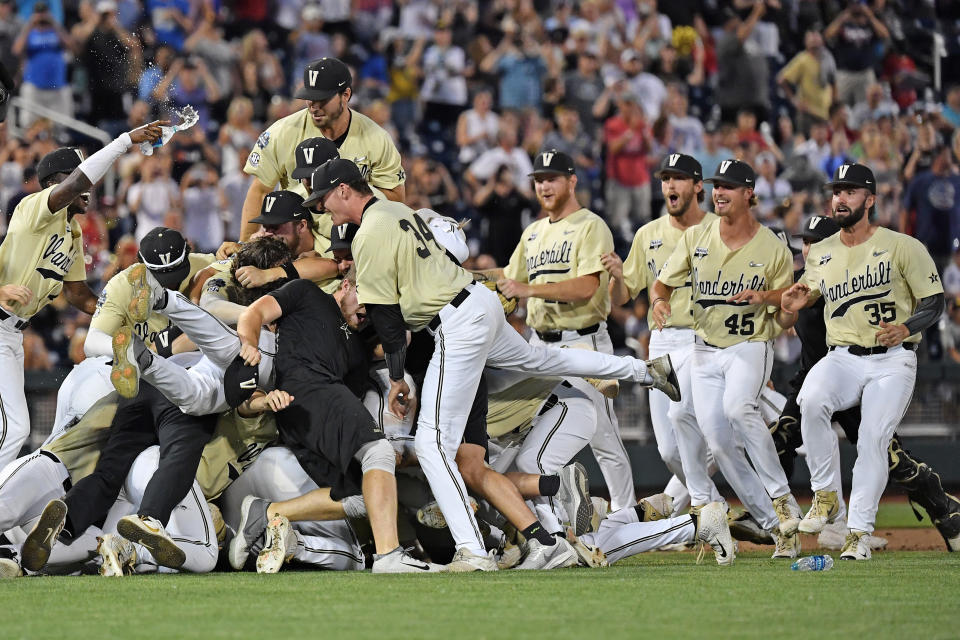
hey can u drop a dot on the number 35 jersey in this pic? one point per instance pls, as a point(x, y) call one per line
point(878, 280)
point(399, 262)
point(716, 273)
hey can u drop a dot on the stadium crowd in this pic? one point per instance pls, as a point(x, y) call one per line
point(471, 91)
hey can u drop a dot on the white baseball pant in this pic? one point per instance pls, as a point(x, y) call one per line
point(606, 443)
point(472, 335)
point(26, 486)
point(555, 436)
point(726, 386)
point(14, 414)
point(86, 383)
point(396, 430)
point(276, 475)
point(882, 385)
point(622, 535)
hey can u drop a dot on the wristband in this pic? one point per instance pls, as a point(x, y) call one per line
point(655, 301)
point(290, 270)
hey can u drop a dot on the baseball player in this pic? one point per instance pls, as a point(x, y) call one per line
point(406, 280)
point(41, 255)
point(557, 265)
point(681, 181)
point(327, 88)
point(881, 289)
point(732, 355)
point(167, 256)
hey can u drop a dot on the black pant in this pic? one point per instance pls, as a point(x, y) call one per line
point(140, 423)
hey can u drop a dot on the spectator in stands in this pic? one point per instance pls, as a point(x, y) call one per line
point(646, 86)
point(628, 139)
point(742, 72)
point(207, 43)
point(582, 87)
point(477, 128)
point(951, 275)
point(445, 71)
point(10, 26)
point(155, 195)
point(770, 189)
point(308, 42)
point(430, 186)
point(202, 223)
point(570, 138)
point(649, 30)
point(839, 153)
point(189, 82)
point(710, 156)
point(950, 330)
point(920, 158)
point(237, 135)
point(521, 69)
point(932, 201)
point(30, 185)
point(876, 105)
point(233, 191)
point(856, 37)
point(505, 211)
point(163, 59)
point(687, 130)
point(951, 106)
point(170, 20)
point(808, 80)
point(44, 44)
point(747, 133)
point(816, 148)
point(839, 121)
point(506, 153)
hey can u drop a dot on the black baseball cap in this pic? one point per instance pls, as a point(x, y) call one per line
point(311, 153)
point(818, 228)
point(62, 160)
point(166, 254)
point(680, 163)
point(240, 380)
point(327, 176)
point(553, 162)
point(341, 236)
point(323, 79)
point(853, 175)
point(785, 239)
point(281, 206)
point(734, 172)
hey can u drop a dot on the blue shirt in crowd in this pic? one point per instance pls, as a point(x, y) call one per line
point(45, 68)
point(167, 29)
point(936, 200)
point(521, 81)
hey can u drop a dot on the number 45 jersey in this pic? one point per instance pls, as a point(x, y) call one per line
point(400, 262)
point(716, 273)
point(879, 280)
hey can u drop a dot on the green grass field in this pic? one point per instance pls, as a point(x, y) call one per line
point(657, 595)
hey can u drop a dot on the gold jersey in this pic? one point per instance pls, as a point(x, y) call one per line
point(651, 247)
point(514, 408)
point(881, 279)
point(235, 444)
point(400, 262)
point(42, 249)
point(558, 251)
point(79, 447)
point(716, 273)
point(113, 305)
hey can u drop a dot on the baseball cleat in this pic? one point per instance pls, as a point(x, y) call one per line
point(712, 529)
point(118, 556)
point(219, 526)
point(834, 535)
point(600, 510)
point(139, 307)
point(743, 526)
point(253, 524)
point(124, 372)
point(789, 513)
point(430, 515)
point(574, 495)
point(558, 555)
point(822, 512)
point(787, 546)
point(9, 567)
point(656, 507)
point(279, 545)
point(149, 533)
point(509, 557)
point(399, 561)
point(608, 388)
point(465, 561)
point(588, 555)
point(856, 546)
point(664, 377)
point(36, 548)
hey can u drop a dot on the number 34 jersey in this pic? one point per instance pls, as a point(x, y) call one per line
point(878, 280)
point(716, 273)
point(399, 262)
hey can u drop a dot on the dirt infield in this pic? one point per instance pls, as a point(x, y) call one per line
point(919, 539)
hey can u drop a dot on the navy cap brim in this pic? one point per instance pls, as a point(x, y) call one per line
point(315, 196)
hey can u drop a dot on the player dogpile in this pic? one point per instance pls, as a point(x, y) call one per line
point(337, 378)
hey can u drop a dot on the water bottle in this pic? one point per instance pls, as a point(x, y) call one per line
point(188, 118)
point(813, 563)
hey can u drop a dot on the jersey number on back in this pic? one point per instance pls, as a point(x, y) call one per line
point(742, 326)
point(423, 235)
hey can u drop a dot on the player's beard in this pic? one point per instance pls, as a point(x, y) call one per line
point(852, 218)
point(682, 203)
point(560, 200)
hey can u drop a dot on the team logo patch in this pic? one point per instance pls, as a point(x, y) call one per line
point(254, 159)
point(825, 259)
point(215, 284)
point(263, 140)
point(656, 244)
point(755, 264)
point(346, 330)
point(532, 237)
point(934, 278)
point(700, 252)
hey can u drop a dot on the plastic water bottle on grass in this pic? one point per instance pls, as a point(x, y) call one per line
point(813, 563)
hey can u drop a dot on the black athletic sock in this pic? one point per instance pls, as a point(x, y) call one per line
point(549, 486)
point(641, 513)
point(536, 531)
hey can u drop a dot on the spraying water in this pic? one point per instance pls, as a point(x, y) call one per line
point(188, 117)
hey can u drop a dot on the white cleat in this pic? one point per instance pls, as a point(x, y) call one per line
point(713, 529)
point(822, 512)
point(279, 545)
point(664, 377)
point(399, 561)
point(430, 515)
point(588, 555)
point(788, 512)
point(559, 555)
point(787, 546)
point(465, 561)
point(9, 567)
point(600, 510)
point(149, 533)
point(118, 556)
point(856, 546)
point(659, 506)
point(574, 495)
point(253, 524)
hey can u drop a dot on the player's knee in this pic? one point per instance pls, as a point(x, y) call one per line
point(472, 469)
point(671, 457)
point(377, 455)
